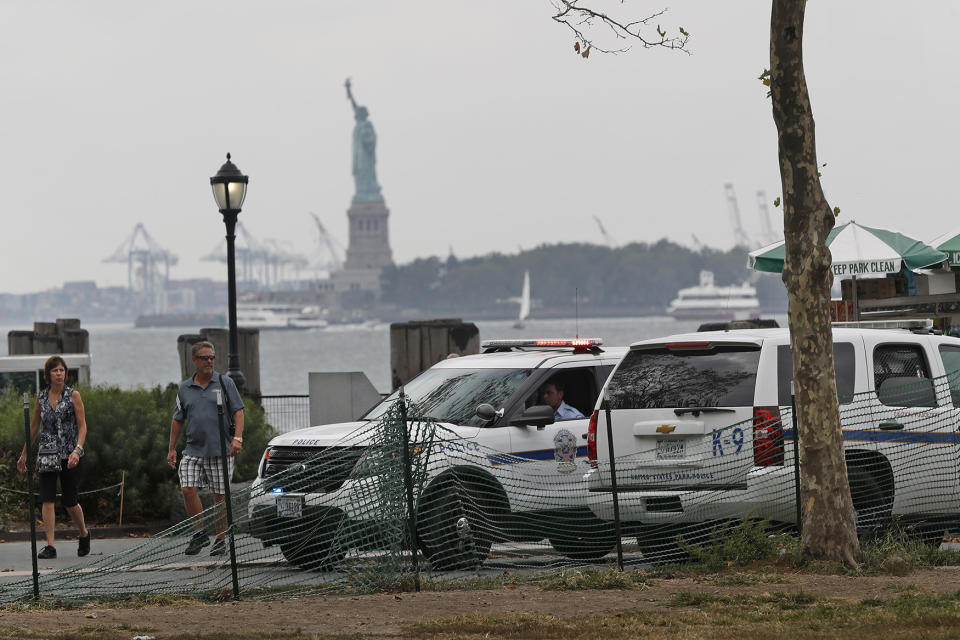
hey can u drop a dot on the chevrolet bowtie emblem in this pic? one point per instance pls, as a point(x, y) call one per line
point(665, 428)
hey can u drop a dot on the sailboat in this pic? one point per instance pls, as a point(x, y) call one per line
point(524, 302)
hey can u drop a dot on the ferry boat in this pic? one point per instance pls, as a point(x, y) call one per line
point(707, 301)
point(279, 316)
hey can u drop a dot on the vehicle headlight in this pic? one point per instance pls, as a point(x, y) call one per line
point(367, 466)
point(375, 461)
point(263, 462)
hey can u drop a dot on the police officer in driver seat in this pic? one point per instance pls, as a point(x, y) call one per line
point(552, 394)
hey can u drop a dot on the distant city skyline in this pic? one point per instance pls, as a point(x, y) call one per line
point(492, 133)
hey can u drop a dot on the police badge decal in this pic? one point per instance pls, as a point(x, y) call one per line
point(565, 451)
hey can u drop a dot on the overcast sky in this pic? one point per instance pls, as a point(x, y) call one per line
point(493, 134)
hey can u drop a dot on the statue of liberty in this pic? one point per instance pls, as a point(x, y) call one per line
point(364, 154)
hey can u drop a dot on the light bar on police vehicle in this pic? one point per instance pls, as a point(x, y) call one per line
point(575, 343)
point(916, 323)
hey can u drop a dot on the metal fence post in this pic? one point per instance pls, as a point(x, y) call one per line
point(616, 497)
point(796, 456)
point(33, 503)
point(226, 497)
point(408, 482)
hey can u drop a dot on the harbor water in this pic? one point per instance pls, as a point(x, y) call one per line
point(128, 357)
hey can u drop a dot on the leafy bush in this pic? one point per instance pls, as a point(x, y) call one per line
point(128, 430)
point(736, 544)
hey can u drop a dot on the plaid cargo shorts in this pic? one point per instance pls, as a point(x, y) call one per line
point(204, 472)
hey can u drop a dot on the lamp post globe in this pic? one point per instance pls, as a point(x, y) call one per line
point(229, 190)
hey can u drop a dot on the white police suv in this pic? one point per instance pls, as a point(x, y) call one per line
point(702, 430)
point(501, 466)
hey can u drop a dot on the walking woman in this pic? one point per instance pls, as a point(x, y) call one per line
point(59, 418)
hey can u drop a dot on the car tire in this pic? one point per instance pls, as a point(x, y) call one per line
point(659, 543)
point(452, 530)
point(317, 548)
point(929, 531)
point(582, 536)
point(873, 507)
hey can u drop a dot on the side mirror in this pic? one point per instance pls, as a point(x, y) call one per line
point(485, 411)
point(539, 416)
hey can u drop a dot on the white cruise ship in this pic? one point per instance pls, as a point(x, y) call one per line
point(279, 316)
point(707, 301)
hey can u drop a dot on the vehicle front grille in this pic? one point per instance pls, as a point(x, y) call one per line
point(310, 469)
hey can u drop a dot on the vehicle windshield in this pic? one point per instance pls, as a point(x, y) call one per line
point(452, 395)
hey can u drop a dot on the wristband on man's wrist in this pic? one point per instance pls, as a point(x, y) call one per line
point(238, 439)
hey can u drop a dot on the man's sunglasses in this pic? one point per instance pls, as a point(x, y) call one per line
point(208, 358)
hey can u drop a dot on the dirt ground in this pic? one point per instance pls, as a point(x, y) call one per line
point(382, 616)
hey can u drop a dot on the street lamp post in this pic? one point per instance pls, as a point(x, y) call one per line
point(229, 190)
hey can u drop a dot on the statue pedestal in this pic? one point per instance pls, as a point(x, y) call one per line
point(368, 252)
point(369, 246)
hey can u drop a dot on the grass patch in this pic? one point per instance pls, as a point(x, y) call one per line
point(697, 599)
point(894, 553)
point(584, 579)
point(123, 632)
point(133, 601)
point(746, 579)
point(704, 615)
point(754, 543)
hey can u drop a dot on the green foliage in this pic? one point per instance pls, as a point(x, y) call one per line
point(636, 278)
point(736, 545)
point(764, 79)
point(897, 552)
point(128, 430)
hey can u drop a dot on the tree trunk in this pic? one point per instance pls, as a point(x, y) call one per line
point(829, 529)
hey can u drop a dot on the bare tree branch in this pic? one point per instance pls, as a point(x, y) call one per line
point(582, 19)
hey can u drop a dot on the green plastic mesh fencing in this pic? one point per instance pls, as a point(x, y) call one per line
point(335, 516)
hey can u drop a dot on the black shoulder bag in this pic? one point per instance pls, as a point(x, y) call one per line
point(226, 399)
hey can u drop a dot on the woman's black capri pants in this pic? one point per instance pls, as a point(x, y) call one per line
point(69, 483)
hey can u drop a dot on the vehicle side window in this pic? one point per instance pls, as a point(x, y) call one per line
point(602, 374)
point(843, 362)
point(902, 377)
point(723, 375)
point(951, 364)
point(580, 389)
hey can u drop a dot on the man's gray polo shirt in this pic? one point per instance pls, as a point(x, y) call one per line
point(197, 406)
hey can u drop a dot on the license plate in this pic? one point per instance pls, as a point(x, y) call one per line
point(671, 449)
point(289, 506)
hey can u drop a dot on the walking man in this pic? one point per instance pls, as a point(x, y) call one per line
point(201, 465)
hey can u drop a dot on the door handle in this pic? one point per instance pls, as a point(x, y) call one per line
point(890, 426)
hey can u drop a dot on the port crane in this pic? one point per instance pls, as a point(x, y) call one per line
point(770, 235)
point(607, 238)
point(739, 235)
point(260, 263)
point(148, 263)
point(329, 254)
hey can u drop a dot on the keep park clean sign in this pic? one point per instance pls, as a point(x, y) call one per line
point(866, 267)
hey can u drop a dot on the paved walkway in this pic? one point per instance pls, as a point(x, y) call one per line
point(16, 557)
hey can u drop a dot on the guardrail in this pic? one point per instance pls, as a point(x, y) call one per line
point(285, 412)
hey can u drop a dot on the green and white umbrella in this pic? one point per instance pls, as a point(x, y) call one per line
point(858, 251)
point(949, 243)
